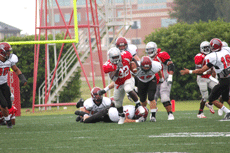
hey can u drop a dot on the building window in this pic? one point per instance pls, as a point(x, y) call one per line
point(67, 17)
point(167, 22)
point(136, 41)
point(136, 25)
point(79, 17)
point(56, 18)
point(62, 2)
point(151, 1)
point(90, 17)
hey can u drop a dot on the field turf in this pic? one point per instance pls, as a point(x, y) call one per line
point(56, 131)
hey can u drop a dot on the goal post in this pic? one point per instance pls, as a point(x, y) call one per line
point(55, 41)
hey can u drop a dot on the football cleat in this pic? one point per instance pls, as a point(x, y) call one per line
point(210, 107)
point(78, 118)
point(201, 115)
point(80, 103)
point(121, 120)
point(227, 117)
point(81, 113)
point(9, 124)
point(170, 117)
point(153, 119)
point(220, 112)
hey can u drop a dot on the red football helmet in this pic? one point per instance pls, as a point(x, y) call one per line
point(97, 99)
point(215, 44)
point(141, 111)
point(146, 63)
point(5, 49)
point(121, 43)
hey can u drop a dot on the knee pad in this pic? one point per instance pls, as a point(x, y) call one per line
point(164, 98)
point(167, 103)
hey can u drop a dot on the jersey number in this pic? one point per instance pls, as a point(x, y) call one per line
point(4, 70)
point(226, 61)
point(124, 71)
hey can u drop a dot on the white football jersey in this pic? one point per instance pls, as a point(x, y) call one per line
point(129, 111)
point(132, 49)
point(93, 108)
point(220, 59)
point(149, 75)
point(5, 67)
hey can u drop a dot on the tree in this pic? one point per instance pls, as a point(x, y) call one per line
point(194, 10)
point(223, 9)
point(25, 54)
point(182, 42)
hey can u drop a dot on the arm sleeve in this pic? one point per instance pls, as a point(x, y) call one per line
point(108, 67)
point(164, 56)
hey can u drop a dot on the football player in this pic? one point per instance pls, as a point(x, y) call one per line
point(118, 68)
point(132, 114)
point(123, 45)
point(7, 61)
point(92, 105)
point(147, 83)
point(220, 59)
point(168, 68)
point(205, 80)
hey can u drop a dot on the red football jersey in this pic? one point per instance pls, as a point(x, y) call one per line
point(124, 72)
point(200, 61)
point(162, 57)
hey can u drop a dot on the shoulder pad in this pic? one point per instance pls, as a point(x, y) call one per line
point(13, 58)
point(88, 104)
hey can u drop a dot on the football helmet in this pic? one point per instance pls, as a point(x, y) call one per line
point(146, 63)
point(5, 50)
point(114, 55)
point(205, 47)
point(141, 111)
point(97, 99)
point(215, 44)
point(121, 43)
point(151, 49)
point(224, 44)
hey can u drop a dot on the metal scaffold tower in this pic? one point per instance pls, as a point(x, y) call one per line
point(101, 15)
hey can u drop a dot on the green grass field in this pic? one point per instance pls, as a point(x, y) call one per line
point(56, 131)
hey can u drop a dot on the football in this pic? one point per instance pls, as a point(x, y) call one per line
point(133, 67)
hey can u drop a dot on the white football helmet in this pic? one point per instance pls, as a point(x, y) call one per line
point(205, 47)
point(114, 55)
point(224, 44)
point(151, 49)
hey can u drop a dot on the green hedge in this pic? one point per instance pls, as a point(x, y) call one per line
point(182, 42)
point(25, 54)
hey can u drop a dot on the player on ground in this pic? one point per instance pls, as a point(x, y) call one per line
point(7, 61)
point(220, 59)
point(206, 80)
point(118, 68)
point(93, 105)
point(111, 115)
point(164, 88)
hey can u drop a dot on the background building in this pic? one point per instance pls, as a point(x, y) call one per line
point(8, 31)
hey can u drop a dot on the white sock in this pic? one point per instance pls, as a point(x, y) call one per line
point(226, 110)
point(153, 110)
